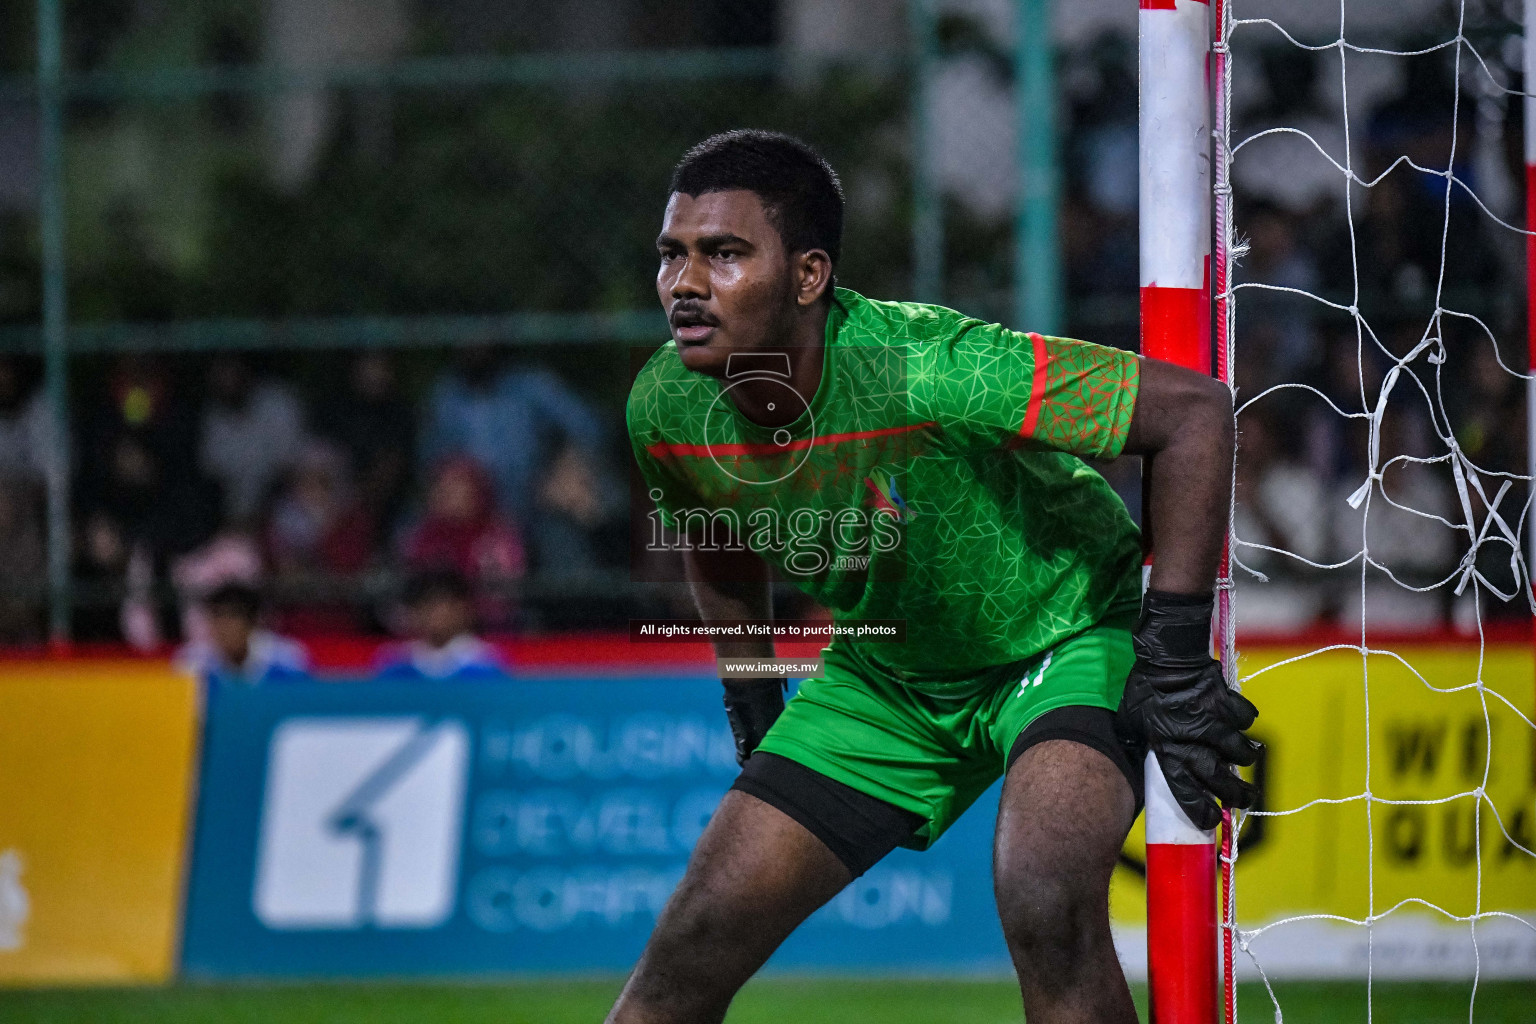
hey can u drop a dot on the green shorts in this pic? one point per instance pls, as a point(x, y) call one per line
point(933, 756)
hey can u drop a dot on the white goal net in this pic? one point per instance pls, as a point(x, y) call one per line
point(1371, 197)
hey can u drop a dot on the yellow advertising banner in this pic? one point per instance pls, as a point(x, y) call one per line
point(95, 796)
point(1412, 816)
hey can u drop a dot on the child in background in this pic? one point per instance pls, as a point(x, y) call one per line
point(440, 616)
point(238, 650)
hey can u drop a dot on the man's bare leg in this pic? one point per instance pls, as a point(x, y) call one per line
point(1065, 812)
point(755, 874)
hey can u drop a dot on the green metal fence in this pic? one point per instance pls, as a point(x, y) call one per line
point(458, 199)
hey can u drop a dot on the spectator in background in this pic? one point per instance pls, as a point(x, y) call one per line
point(1281, 340)
point(1280, 506)
point(230, 556)
point(1490, 420)
point(1284, 168)
point(114, 595)
point(376, 426)
point(238, 650)
point(1101, 149)
point(145, 502)
point(578, 534)
point(1404, 230)
point(318, 530)
point(26, 429)
point(140, 400)
point(173, 512)
point(100, 576)
point(440, 617)
point(23, 560)
point(510, 421)
point(156, 516)
point(461, 531)
point(317, 525)
point(1400, 532)
point(1101, 189)
point(573, 532)
point(251, 434)
point(26, 453)
point(1351, 377)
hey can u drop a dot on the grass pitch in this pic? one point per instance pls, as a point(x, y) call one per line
point(768, 1001)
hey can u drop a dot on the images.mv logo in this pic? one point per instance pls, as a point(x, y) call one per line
point(361, 823)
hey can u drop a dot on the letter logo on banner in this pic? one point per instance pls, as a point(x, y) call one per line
point(361, 823)
point(15, 904)
point(531, 825)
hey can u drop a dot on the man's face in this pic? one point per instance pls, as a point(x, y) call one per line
point(231, 633)
point(725, 279)
point(441, 617)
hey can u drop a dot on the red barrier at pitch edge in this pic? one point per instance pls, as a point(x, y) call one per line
point(585, 652)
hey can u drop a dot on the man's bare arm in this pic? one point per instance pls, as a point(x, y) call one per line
point(1176, 699)
point(729, 586)
point(1182, 424)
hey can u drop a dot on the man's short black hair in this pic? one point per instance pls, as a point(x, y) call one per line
point(435, 584)
point(240, 599)
point(799, 189)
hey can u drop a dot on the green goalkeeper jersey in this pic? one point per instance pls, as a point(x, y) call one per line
point(934, 478)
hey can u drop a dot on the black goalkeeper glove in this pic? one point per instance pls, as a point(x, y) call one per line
point(1177, 702)
point(752, 706)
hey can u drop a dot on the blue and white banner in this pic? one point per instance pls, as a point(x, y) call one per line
point(529, 825)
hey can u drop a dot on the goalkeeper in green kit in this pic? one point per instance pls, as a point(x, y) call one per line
point(904, 462)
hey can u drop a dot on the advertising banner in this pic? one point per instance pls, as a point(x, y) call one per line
point(1450, 736)
point(95, 792)
point(540, 824)
point(530, 825)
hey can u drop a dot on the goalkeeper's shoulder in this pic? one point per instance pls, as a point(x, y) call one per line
point(654, 388)
point(898, 321)
point(926, 322)
point(942, 336)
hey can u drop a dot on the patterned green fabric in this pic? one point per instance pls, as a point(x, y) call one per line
point(934, 478)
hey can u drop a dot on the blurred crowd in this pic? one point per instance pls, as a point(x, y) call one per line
point(237, 647)
point(329, 484)
point(191, 475)
point(1396, 253)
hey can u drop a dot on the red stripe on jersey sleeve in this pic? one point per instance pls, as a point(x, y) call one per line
point(1036, 389)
